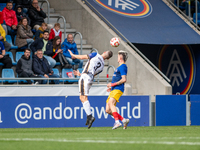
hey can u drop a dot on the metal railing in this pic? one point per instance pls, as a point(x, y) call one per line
point(94, 50)
point(81, 40)
point(62, 80)
point(107, 73)
point(131, 45)
point(64, 21)
point(184, 15)
point(48, 8)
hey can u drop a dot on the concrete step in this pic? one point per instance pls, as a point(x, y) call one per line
point(52, 10)
point(54, 20)
point(84, 46)
point(54, 15)
point(69, 30)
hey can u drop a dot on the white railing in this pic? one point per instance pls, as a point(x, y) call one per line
point(81, 40)
point(48, 8)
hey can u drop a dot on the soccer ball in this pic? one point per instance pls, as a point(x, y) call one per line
point(114, 42)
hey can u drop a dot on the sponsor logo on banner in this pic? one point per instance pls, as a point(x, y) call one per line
point(24, 112)
point(21, 112)
point(178, 64)
point(127, 8)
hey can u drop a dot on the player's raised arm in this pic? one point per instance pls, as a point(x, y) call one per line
point(78, 56)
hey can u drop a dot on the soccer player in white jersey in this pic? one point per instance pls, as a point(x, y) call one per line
point(116, 89)
point(93, 67)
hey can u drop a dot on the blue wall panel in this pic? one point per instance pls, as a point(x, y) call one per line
point(171, 110)
point(195, 109)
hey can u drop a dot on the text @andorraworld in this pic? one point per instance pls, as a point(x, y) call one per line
point(24, 112)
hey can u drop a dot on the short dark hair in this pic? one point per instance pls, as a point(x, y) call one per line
point(27, 49)
point(46, 31)
point(39, 50)
point(110, 54)
point(9, 2)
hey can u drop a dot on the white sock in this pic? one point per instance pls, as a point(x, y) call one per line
point(86, 106)
point(116, 121)
point(124, 120)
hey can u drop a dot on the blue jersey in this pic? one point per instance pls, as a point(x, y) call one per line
point(119, 72)
point(1, 47)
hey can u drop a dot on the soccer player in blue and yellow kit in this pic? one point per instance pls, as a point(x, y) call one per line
point(116, 89)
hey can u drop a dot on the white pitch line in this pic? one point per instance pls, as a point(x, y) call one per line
point(146, 138)
point(99, 141)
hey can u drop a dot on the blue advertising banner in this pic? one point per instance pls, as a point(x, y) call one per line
point(171, 110)
point(194, 110)
point(36, 112)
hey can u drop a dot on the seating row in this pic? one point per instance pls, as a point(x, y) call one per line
point(9, 73)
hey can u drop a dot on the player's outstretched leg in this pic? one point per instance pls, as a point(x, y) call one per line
point(117, 124)
point(86, 107)
point(125, 121)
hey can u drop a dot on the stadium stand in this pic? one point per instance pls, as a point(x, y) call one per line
point(8, 73)
point(9, 40)
point(11, 56)
point(68, 73)
point(198, 18)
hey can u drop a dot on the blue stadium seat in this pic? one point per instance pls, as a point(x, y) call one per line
point(18, 55)
point(80, 70)
point(11, 56)
point(56, 71)
point(57, 63)
point(181, 7)
point(8, 73)
point(64, 75)
point(9, 40)
point(2, 6)
point(198, 18)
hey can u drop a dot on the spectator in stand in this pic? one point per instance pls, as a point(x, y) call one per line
point(24, 66)
point(55, 32)
point(25, 4)
point(58, 53)
point(37, 16)
point(3, 38)
point(1, 22)
point(24, 34)
point(5, 59)
point(184, 3)
point(46, 46)
point(39, 32)
point(9, 16)
point(41, 67)
point(69, 44)
point(20, 14)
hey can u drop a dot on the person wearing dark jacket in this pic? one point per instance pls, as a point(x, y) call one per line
point(20, 14)
point(46, 46)
point(37, 16)
point(41, 67)
point(24, 66)
point(24, 3)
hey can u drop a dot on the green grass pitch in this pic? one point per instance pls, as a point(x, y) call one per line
point(101, 138)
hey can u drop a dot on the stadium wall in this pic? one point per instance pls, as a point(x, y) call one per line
point(142, 77)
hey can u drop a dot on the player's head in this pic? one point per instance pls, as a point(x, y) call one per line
point(107, 54)
point(122, 55)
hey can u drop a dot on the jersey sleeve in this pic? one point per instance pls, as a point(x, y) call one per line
point(91, 55)
point(123, 70)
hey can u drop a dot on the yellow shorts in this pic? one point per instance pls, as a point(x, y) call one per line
point(116, 94)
